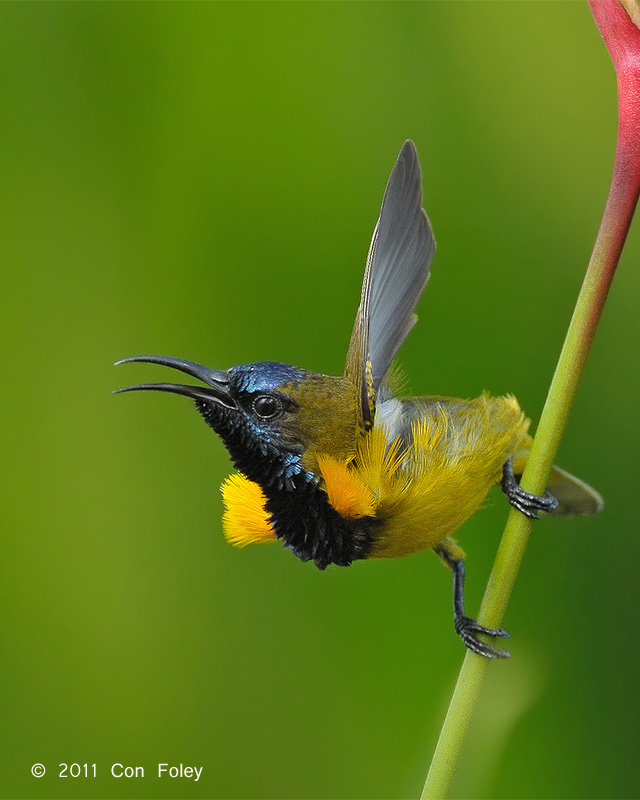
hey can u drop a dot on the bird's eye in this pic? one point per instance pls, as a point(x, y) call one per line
point(266, 406)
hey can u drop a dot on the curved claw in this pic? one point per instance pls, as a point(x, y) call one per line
point(467, 628)
point(526, 502)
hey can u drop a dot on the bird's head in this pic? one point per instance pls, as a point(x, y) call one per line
point(274, 419)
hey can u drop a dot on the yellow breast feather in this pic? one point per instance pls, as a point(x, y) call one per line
point(347, 491)
point(245, 519)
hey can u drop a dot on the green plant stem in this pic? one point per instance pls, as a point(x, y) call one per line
point(621, 203)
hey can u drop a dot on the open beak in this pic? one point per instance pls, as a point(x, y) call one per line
point(217, 381)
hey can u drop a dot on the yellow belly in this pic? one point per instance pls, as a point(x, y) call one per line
point(456, 453)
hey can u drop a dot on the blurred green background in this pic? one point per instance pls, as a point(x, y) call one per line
point(202, 180)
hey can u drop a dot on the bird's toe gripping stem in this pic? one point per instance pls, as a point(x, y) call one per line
point(526, 502)
point(467, 628)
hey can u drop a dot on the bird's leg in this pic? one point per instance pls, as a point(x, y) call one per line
point(466, 627)
point(525, 502)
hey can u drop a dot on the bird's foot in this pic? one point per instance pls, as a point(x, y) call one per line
point(526, 502)
point(467, 629)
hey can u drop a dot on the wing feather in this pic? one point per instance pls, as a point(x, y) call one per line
point(396, 273)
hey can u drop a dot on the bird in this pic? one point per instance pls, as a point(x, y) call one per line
point(345, 468)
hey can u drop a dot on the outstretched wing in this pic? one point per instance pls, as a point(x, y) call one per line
point(396, 273)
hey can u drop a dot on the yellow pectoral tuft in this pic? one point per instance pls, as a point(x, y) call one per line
point(245, 519)
point(347, 492)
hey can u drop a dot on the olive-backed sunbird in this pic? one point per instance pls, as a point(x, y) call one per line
point(340, 468)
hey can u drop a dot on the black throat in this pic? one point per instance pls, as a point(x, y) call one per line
point(301, 515)
point(307, 523)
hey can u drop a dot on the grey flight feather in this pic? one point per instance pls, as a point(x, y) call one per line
point(400, 255)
